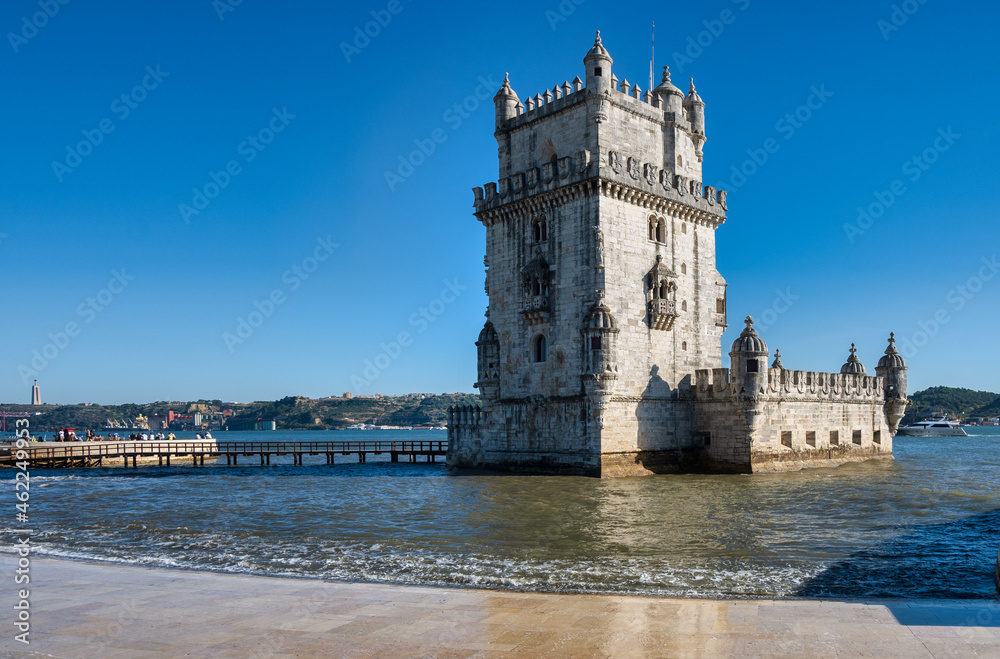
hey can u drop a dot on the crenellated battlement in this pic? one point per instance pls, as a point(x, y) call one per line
point(622, 176)
point(843, 386)
point(716, 384)
point(464, 417)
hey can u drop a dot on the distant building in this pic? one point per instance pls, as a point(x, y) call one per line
point(348, 395)
point(601, 353)
point(36, 394)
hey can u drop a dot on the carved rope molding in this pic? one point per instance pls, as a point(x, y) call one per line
point(543, 201)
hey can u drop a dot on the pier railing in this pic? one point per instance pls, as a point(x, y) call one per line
point(88, 450)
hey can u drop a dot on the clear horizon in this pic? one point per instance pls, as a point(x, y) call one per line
point(212, 200)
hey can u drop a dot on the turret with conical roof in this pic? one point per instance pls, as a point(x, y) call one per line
point(598, 67)
point(671, 98)
point(506, 103)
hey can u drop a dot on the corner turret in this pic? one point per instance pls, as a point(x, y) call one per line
point(671, 98)
point(695, 109)
point(506, 103)
point(598, 67)
point(892, 369)
point(748, 362)
point(488, 348)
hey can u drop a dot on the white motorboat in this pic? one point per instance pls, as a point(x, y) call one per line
point(933, 428)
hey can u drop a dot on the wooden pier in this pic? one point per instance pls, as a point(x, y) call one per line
point(181, 451)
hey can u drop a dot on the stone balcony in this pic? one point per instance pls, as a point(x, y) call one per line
point(535, 309)
point(662, 314)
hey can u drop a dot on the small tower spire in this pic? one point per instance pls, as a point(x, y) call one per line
point(777, 360)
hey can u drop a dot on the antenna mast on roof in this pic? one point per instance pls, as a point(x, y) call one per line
point(652, 54)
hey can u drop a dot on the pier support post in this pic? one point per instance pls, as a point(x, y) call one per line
point(135, 462)
point(261, 459)
point(168, 459)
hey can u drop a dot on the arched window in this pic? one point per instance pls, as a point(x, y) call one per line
point(659, 231)
point(684, 305)
point(540, 230)
point(539, 348)
point(652, 228)
point(680, 161)
point(536, 286)
point(595, 342)
point(684, 268)
point(664, 290)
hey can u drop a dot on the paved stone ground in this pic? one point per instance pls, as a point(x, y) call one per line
point(91, 610)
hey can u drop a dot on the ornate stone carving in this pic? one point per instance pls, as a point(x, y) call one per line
point(615, 160)
point(633, 168)
point(565, 167)
point(681, 184)
point(650, 171)
point(532, 176)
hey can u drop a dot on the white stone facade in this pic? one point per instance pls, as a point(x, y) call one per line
point(605, 302)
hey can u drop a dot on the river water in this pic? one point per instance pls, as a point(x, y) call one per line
point(926, 524)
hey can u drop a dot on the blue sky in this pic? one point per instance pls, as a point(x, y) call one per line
point(303, 237)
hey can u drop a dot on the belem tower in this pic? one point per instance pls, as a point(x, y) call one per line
point(601, 353)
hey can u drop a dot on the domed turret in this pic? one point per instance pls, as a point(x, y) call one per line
point(599, 317)
point(506, 103)
point(488, 349)
point(748, 342)
point(853, 365)
point(892, 369)
point(599, 331)
point(488, 334)
point(695, 108)
point(671, 98)
point(748, 361)
point(891, 358)
point(598, 67)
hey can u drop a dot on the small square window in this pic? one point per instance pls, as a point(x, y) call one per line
point(595, 343)
point(786, 438)
point(597, 72)
point(753, 366)
point(857, 437)
point(811, 438)
point(834, 438)
point(877, 437)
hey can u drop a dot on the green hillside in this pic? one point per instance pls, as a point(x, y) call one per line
point(290, 413)
point(953, 401)
point(989, 411)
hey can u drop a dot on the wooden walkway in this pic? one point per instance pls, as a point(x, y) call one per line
point(95, 454)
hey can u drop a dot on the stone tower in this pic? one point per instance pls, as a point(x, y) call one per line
point(601, 353)
point(36, 394)
point(603, 291)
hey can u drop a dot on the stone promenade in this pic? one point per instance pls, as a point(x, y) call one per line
point(91, 610)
